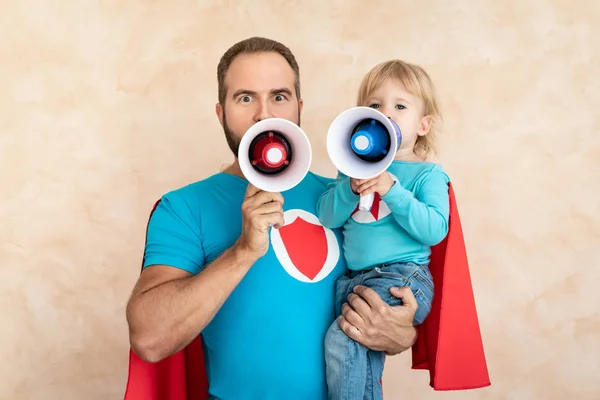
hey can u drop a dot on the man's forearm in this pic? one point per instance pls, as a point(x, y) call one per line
point(407, 339)
point(166, 316)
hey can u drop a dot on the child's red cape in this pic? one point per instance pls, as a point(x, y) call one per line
point(449, 343)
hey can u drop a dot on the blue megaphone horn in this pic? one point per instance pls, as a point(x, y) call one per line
point(362, 143)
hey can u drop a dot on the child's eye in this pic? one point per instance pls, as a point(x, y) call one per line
point(374, 106)
point(400, 107)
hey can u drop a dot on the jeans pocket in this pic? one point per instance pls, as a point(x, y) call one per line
point(424, 306)
point(423, 277)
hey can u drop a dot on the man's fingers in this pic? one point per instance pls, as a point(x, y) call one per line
point(266, 197)
point(274, 219)
point(263, 208)
point(349, 329)
point(262, 197)
point(360, 306)
point(268, 208)
point(352, 316)
point(251, 190)
point(370, 297)
point(406, 295)
point(270, 214)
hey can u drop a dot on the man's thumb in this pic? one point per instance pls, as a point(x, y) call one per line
point(405, 294)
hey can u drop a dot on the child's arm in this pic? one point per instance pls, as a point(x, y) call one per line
point(424, 217)
point(337, 203)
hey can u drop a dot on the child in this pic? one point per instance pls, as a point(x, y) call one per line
point(388, 246)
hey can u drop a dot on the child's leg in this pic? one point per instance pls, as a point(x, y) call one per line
point(342, 289)
point(346, 362)
point(381, 280)
point(373, 385)
point(345, 359)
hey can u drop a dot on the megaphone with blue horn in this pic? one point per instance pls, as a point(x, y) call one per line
point(275, 154)
point(362, 143)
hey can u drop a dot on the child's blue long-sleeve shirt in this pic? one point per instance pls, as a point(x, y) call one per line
point(412, 216)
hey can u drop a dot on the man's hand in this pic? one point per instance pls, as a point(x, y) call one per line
point(370, 321)
point(260, 211)
point(381, 184)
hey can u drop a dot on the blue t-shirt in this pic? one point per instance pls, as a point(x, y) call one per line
point(266, 341)
point(401, 226)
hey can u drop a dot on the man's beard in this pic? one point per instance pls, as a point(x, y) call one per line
point(233, 140)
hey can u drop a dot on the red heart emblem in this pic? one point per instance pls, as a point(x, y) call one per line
point(306, 245)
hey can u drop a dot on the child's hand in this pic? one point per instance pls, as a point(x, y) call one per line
point(355, 184)
point(381, 184)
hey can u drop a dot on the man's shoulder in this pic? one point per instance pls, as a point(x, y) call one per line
point(193, 194)
point(195, 188)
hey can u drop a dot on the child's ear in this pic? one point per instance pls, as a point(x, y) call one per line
point(425, 125)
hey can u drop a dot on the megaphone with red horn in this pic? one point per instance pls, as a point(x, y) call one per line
point(275, 154)
point(362, 143)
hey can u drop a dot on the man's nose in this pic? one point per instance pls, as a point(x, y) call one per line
point(262, 112)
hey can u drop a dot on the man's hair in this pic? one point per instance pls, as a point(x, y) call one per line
point(417, 81)
point(254, 45)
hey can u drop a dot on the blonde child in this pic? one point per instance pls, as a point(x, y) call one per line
point(388, 246)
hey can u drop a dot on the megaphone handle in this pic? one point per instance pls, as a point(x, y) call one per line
point(366, 202)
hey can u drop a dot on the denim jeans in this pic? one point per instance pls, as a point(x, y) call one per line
point(354, 372)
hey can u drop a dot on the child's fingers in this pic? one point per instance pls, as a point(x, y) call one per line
point(365, 186)
point(372, 189)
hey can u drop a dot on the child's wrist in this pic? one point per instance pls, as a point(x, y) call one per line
point(388, 190)
point(348, 193)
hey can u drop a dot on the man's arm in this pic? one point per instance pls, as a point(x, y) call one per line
point(170, 306)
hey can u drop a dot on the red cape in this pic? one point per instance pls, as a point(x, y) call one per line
point(449, 344)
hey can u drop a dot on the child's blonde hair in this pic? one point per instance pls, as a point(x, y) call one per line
point(416, 80)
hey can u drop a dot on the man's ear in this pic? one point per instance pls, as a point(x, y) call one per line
point(425, 125)
point(300, 105)
point(219, 111)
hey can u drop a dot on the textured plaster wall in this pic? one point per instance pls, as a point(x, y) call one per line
point(106, 105)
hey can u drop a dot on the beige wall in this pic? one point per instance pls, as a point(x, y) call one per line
point(106, 105)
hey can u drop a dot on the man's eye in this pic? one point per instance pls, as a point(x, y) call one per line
point(279, 97)
point(246, 99)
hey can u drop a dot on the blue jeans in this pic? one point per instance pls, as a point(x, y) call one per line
point(354, 372)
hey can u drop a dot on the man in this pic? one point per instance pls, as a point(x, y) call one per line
point(253, 271)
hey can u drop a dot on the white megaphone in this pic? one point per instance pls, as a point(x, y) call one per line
point(275, 154)
point(362, 143)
